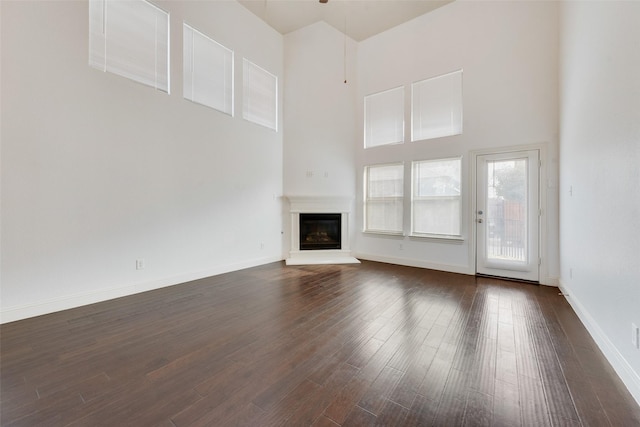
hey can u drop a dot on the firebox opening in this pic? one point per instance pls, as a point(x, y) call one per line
point(320, 231)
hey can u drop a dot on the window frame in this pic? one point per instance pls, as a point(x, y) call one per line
point(220, 77)
point(369, 125)
point(396, 199)
point(247, 113)
point(122, 64)
point(426, 133)
point(415, 198)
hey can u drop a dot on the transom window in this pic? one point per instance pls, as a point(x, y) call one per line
point(436, 107)
point(260, 96)
point(384, 118)
point(131, 39)
point(207, 71)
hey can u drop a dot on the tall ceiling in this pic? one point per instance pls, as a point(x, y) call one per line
point(359, 19)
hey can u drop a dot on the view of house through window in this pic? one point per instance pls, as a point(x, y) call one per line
point(507, 210)
point(436, 111)
point(435, 201)
point(384, 191)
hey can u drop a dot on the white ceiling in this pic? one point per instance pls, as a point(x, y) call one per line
point(361, 18)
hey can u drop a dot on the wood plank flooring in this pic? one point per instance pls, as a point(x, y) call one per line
point(335, 345)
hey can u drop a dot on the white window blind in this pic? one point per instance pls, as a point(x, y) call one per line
point(436, 107)
point(260, 96)
point(131, 39)
point(383, 202)
point(384, 118)
point(207, 71)
point(436, 204)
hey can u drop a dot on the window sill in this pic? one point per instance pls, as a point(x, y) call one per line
point(384, 233)
point(438, 238)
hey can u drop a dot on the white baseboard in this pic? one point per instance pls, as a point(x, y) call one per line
point(461, 269)
point(627, 374)
point(12, 314)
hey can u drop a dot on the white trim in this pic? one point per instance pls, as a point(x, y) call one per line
point(385, 233)
point(15, 313)
point(408, 262)
point(629, 377)
point(437, 237)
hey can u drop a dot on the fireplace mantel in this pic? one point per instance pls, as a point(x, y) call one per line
point(320, 204)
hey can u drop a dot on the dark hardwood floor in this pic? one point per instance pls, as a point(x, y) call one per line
point(351, 345)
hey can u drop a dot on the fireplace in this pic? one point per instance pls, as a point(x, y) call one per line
point(320, 231)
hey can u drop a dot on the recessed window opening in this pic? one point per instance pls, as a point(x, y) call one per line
point(436, 107)
point(383, 201)
point(260, 96)
point(435, 200)
point(130, 39)
point(384, 118)
point(207, 71)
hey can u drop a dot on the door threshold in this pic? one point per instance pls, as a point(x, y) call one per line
point(510, 279)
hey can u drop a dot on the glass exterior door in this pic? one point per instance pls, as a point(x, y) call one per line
point(507, 215)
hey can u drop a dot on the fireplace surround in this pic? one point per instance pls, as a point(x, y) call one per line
point(320, 230)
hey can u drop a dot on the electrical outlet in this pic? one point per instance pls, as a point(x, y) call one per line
point(400, 247)
point(140, 264)
point(571, 273)
point(635, 336)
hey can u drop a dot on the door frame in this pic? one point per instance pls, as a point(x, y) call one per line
point(542, 196)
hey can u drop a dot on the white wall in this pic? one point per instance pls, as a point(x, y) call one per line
point(98, 171)
point(600, 178)
point(509, 54)
point(320, 115)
